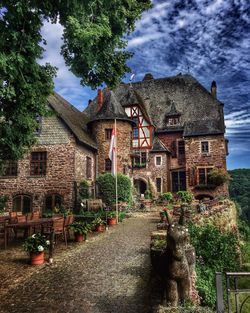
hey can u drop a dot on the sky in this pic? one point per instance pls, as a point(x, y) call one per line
point(209, 39)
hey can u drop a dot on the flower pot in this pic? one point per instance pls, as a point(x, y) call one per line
point(111, 221)
point(79, 237)
point(99, 228)
point(37, 258)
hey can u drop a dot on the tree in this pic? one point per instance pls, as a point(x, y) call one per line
point(93, 49)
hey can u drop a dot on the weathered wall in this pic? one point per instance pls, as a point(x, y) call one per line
point(154, 171)
point(124, 130)
point(53, 131)
point(66, 163)
point(58, 179)
point(195, 159)
point(81, 154)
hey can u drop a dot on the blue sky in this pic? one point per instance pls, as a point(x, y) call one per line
point(208, 39)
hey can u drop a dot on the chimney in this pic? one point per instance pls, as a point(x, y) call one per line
point(214, 89)
point(99, 99)
point(148, 76)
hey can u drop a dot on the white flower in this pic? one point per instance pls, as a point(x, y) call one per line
point(47, 242)
point(33, 236)
point(40, 248)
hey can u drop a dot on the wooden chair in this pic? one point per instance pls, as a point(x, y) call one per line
point(21, 218)
point(35, 216)
point(3, 222)
point(58, 227)
point(28, 217)
point(68, 221)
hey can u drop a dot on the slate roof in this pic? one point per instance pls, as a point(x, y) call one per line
point(196, 105)
point(158, 146)
point(74, 119)
point(173, 111)
point(111, 109)
point(202, 127)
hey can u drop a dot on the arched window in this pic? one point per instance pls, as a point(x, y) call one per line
point(22, 203)
point(52, 201)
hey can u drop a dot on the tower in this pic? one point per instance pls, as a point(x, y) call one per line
point(101, 125)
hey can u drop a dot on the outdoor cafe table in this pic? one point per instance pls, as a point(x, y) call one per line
point(26, 225)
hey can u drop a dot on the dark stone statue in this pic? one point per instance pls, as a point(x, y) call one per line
point(175, 264)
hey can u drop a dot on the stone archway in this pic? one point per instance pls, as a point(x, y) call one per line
point(141, 185)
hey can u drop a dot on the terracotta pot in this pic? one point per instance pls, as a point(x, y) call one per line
point(99, 228)
point(37, 258)
point(79, 237)
point(111, 221)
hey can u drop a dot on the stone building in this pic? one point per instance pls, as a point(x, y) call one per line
point(49, 174)
point(170, 134)
point(177, 136)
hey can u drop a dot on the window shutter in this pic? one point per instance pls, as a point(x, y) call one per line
point(174, 149)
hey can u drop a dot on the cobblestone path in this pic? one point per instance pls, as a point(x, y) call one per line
point(108, 274)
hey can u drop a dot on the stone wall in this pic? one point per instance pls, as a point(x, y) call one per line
point(195, 159)
point(153, 171)
point(66, 163)
point(124, 130)
point(81, 154)
point(59, 177)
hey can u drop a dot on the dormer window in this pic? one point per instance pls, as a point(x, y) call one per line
point(172, 121)
point(172, 117)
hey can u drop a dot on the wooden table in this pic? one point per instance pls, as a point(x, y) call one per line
point(28, 225)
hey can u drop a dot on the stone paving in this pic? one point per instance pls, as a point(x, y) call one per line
point(110, 273)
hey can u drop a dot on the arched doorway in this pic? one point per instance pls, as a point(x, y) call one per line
point(140, 185)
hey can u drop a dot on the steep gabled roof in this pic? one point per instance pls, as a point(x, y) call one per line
point(111, 109)
point(191, 99)
point(74, 119)
point(158, 146)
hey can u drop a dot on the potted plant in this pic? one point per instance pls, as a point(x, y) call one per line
point(99, 224)
point(80, 230)
point(36, 245)
point(112, 218)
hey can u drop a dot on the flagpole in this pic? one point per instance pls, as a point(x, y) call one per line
point(116, 187)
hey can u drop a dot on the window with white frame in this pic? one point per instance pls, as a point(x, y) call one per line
point(158, 160)
point(139, 159)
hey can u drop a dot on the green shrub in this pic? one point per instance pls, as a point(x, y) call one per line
point(185, 196)
point(106, 186)
point(148, 194)
point(81, 228)
point(84, 190)
point(218, 176)
point(166, 196)
point(216, 252)
point(3, 201)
